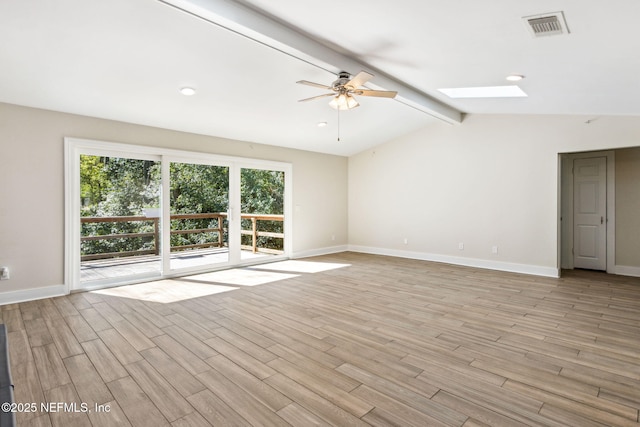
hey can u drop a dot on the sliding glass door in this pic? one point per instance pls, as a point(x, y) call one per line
point(137, 213)
point(199, 206)
point(262, 218)
point(119, 222)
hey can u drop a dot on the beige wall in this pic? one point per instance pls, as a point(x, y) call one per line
point(628, 207)
point(492, 181)
point(32, 187)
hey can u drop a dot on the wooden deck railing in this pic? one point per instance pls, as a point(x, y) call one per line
point(155, 234)
point(114, 219)
point(254, 233)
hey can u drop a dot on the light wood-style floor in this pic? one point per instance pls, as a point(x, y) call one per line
point(346, 339)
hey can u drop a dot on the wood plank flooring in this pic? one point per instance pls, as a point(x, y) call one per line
point(342, 340)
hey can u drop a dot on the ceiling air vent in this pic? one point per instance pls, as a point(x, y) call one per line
point(548, 24)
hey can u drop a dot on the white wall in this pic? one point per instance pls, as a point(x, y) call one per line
point(491, 181)
point(32, 189)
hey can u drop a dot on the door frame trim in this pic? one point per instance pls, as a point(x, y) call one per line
point(566, 210)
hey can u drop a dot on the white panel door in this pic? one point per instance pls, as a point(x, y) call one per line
point(590, 213)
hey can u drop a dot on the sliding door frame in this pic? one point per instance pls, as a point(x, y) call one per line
point(74, 147)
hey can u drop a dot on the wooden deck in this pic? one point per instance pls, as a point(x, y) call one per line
point(343, 340)
point(150, 264)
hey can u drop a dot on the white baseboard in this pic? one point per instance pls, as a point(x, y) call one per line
point(535, 270)
point(13, 297)
point(625, 270)
point(320, 251)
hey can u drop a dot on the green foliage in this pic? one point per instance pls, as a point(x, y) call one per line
point(262, 192)
point(197, 189)
point(112, 186)
point(93, 180)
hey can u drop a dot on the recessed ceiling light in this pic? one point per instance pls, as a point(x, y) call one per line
point(515, 77)
point(187, 91)
point(512, 91)
point(322, 124)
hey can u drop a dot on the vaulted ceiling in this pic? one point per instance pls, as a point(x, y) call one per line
point(127, 59)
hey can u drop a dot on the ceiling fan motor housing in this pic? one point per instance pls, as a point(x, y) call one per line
point(343, 78)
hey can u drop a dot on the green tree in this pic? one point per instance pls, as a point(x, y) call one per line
point(197, 189)
point(262, 192)
point(93, 181)
point(114, 186)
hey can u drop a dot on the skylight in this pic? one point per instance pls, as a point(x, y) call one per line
point(511, 91)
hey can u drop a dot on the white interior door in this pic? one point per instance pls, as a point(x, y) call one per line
point(590, 213)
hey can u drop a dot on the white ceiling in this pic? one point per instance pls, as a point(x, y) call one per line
point(126, 59)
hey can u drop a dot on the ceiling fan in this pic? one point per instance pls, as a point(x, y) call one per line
point(345, 87)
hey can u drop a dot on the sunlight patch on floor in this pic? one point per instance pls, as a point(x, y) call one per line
point(199, 285)
point(300, 266)
point(165, 291)
point(241, 277)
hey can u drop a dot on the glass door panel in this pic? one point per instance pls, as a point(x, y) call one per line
point(199, 202)
point(262, 201)
point(119, 219)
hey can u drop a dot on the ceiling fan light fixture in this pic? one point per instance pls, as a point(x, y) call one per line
point(343, 102)
point(345, 87)
point(351, 102)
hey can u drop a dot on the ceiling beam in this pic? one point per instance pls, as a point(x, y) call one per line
point(269, 32)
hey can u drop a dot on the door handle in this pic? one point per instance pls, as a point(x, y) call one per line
point(601, 220)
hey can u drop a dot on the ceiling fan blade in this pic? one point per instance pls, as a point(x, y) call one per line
point(308, 83)
point(361, 78)
point(316, 97)
point(378, 93)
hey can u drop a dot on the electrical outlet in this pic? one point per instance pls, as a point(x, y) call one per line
point(4, 273)
point(406, 241)
point(461, 246)
point(333, 237)
point(494, 249)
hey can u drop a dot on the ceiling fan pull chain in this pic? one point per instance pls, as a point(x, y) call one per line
point(338, 125)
